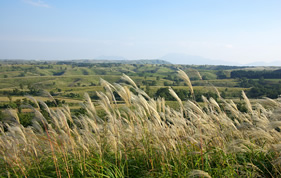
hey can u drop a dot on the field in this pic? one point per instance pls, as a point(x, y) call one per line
point(72, 80)
point(136, 120)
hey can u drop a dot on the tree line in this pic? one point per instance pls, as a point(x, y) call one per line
point(256, 74)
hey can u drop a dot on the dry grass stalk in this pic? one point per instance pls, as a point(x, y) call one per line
point(217, 91)
point(198, 74)
point(89, 104)
point(128, 79)
point(173, 93)
point(248, 103)
point(183, 76)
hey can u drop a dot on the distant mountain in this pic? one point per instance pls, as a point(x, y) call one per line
point(140, 61)
point(177, 58)
point(120, 59)
point(261, 63)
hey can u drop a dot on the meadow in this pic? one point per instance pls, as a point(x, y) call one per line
point(71, 79)
point(124, 130)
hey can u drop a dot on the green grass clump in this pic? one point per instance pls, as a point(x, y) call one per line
point(144, 138)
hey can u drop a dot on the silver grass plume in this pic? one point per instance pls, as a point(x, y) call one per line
point(14, 114)
point(173, 93)
point(89, 103)
point(183, 76)
point(45, 106)
point(247, 101)
point(142, 93)
point(194, 107)
point(217, 91)
point(198, 74)
point(124, 93)
point(49, 95)
point(33, 99)
point(128, 79)
point(213, 101)
point(272, 102)
point(108, 87)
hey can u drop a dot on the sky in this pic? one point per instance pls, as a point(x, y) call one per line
point(243, 31)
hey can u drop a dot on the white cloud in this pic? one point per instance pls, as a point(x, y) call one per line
point(37, 3)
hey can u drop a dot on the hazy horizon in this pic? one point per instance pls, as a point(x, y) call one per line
point(234, 32)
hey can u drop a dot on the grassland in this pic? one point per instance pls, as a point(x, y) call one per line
point(70, 80)
point(144, 137)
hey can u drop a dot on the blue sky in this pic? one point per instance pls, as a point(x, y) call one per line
point(238, 30)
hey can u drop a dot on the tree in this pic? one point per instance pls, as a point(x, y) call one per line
point(164, 93)
point(204, 77)
point(10, 98)
point(223, 94)
point(18, 103)
point(22, 74)
point(21, 86)
point(221, 74)
point(261, 80)
point(153, 83)
point(26, 119)
point(147, 89)
point(166, 83)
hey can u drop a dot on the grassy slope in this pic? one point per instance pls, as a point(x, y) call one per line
point(145, 138)
point(77, 80)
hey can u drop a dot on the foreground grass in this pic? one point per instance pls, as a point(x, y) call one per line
point(144, 138)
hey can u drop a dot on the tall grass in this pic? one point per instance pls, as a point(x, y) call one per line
point(144, 138)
